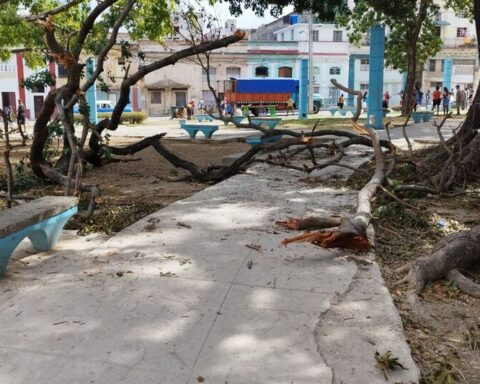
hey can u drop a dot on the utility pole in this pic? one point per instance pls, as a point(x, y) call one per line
point(310, 63)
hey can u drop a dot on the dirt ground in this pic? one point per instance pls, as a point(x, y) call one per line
point(443, 329)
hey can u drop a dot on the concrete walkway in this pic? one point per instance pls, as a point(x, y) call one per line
point(203, 289)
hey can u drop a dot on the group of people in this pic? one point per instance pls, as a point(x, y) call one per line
point(442, 98)
point(18, 116)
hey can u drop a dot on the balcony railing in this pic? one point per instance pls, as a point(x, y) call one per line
point(459, 42)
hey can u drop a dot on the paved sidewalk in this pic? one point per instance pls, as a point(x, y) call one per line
point(203, 288)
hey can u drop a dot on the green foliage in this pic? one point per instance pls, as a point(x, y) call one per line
point(400, 25)
point(52, 145)
point(111, 217)
point(127, 117)
point(387, 362)
point(38, 80)
point(24, 178)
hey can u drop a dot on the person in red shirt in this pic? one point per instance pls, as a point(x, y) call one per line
point(436, 99)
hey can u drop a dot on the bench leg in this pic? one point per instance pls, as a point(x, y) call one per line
point(43, 236)
point(48, 232)
point(208, 134)
point(7, 246)
point(192, 134)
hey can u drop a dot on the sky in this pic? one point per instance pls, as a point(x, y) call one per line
point(247, 20)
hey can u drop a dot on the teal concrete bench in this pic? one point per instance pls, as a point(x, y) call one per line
point(238, 119)
point(40, 220)
point(201, 118)
point(264, 139)
point(193, 129)
point(344, 111)
point(417, 117)
point(427, 116)
point(332, 111)
point(271, 122)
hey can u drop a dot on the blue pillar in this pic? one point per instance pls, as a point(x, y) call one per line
point(92, 92)
point(303, 96)
point(351, 80)
point(375, 89)
point(447, 73)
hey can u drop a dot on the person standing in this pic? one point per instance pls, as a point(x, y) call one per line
point(437, 99)
point(21, 121)
point(459, 99)
point(386, 99)
point(341, 102)
point(428, 96)
point(445, 100)
point(290, 105)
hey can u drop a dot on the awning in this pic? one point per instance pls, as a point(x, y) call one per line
point(441, 23)
point(166, 83)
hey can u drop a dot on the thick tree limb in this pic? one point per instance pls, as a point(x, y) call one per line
point(351, 92)
point(134, 148)
point(53, 11)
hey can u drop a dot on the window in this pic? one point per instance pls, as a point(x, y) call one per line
point(62, 72)
point(261, 71)
point(315, 36)
point(292, 35)
point(316, 89)
point(285, 72)
point(461, 32)
point(364, 86)
point(316, 75)
point(432, 65)
point(234, 72)
point(334, 71)
point(337, 36)
point(438, 17)
point(364, 64)
point(121, 61)
point(213, 75)
point(462, 14)
point(156, 97)
point(438, 31)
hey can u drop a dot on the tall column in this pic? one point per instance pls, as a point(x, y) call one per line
point(351, 79)
point(303, 91)
point(92, 92)
point(375, 89)
point(447, 73)
point(20, 77)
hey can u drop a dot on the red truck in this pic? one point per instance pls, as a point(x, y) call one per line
point(260, 94)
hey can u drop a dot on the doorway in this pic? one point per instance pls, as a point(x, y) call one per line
point(8, 99)
point(37, 105)
point(180, 99)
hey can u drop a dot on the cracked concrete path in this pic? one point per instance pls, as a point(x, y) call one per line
point(203, 288)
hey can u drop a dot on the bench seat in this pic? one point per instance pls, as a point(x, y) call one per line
point(256, 140)
point(192, 129)
point(204, 117)
point(270, 122)
point(40, 220)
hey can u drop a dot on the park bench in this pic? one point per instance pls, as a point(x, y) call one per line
point(204, 117)
point(263, 139)
point(270, 122)
point(344, 111)
point(419, 116)
point(40, 220)
point(192, 129)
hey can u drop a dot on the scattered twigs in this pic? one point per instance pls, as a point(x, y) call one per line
point(6, 157)
point(404, 129)
point(439, 132)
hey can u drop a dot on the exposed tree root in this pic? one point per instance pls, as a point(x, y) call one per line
point(459, 251)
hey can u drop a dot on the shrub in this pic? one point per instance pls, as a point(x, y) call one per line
point(127, 117)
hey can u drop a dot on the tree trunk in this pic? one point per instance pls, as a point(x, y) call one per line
point(409, 96)
point(40, 134)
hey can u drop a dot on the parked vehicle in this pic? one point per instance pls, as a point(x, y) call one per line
point(103, 106)
point(265, 92)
